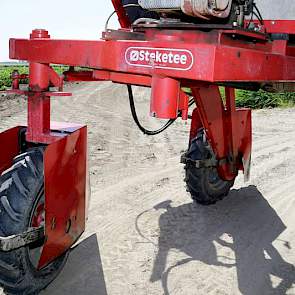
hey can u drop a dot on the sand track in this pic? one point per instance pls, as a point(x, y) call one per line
point(145, 237)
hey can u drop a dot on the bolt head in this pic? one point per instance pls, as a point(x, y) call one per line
point(39, 34)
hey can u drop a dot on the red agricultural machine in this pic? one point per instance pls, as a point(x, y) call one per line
point(185, 50)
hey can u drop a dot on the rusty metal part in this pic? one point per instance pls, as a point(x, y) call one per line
point(122, 35)
point(23, 239)
point(208, 163)
point(179, 25)
point(207, 8)
point(197, 8)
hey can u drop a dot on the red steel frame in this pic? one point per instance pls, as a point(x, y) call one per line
point(212, 58)
point(122, 17)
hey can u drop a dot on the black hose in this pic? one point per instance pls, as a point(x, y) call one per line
point(258, 14)
point(134, 115)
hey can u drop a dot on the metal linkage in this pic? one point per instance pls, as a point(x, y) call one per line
point(41, 77)
point(208, 163)
point(17, 241)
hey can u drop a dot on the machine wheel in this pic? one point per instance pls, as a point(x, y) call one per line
point(204, 184)
point(22, 206)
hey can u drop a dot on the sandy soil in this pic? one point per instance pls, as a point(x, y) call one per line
point(145, 236)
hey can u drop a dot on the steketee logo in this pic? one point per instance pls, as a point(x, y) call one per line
point(161, 58)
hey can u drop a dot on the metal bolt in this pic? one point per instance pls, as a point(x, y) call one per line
point(53, 223)
point(68, 226)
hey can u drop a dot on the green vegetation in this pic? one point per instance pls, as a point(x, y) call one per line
point(251, 99)
point(260, 99)
point(263, 99)
point(5, 73)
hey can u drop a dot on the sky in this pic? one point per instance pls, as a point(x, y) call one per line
point(64, 19)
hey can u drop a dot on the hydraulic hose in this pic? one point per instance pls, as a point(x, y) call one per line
point(135, 117)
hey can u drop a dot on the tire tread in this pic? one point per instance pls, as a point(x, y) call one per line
point(198, 185)
point(20, 185)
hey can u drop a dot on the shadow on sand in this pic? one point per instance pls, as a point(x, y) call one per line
point(83, 273)
point(251, 223)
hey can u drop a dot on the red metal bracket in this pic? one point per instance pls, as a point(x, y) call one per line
point(16, 78)
point(122, 16)
point(279, 26)
point(229, 130)
point(39, 115)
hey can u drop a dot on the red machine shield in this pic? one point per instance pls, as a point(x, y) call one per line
point(9, 147)
point(65, 164)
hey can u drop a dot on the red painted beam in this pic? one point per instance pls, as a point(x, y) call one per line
point(203, 61)
point(280, 26)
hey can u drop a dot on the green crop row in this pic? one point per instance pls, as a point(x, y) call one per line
point(262, 99)
point(5, 73)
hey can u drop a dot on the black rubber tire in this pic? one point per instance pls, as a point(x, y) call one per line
point(21, 187)
point(204, 184)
